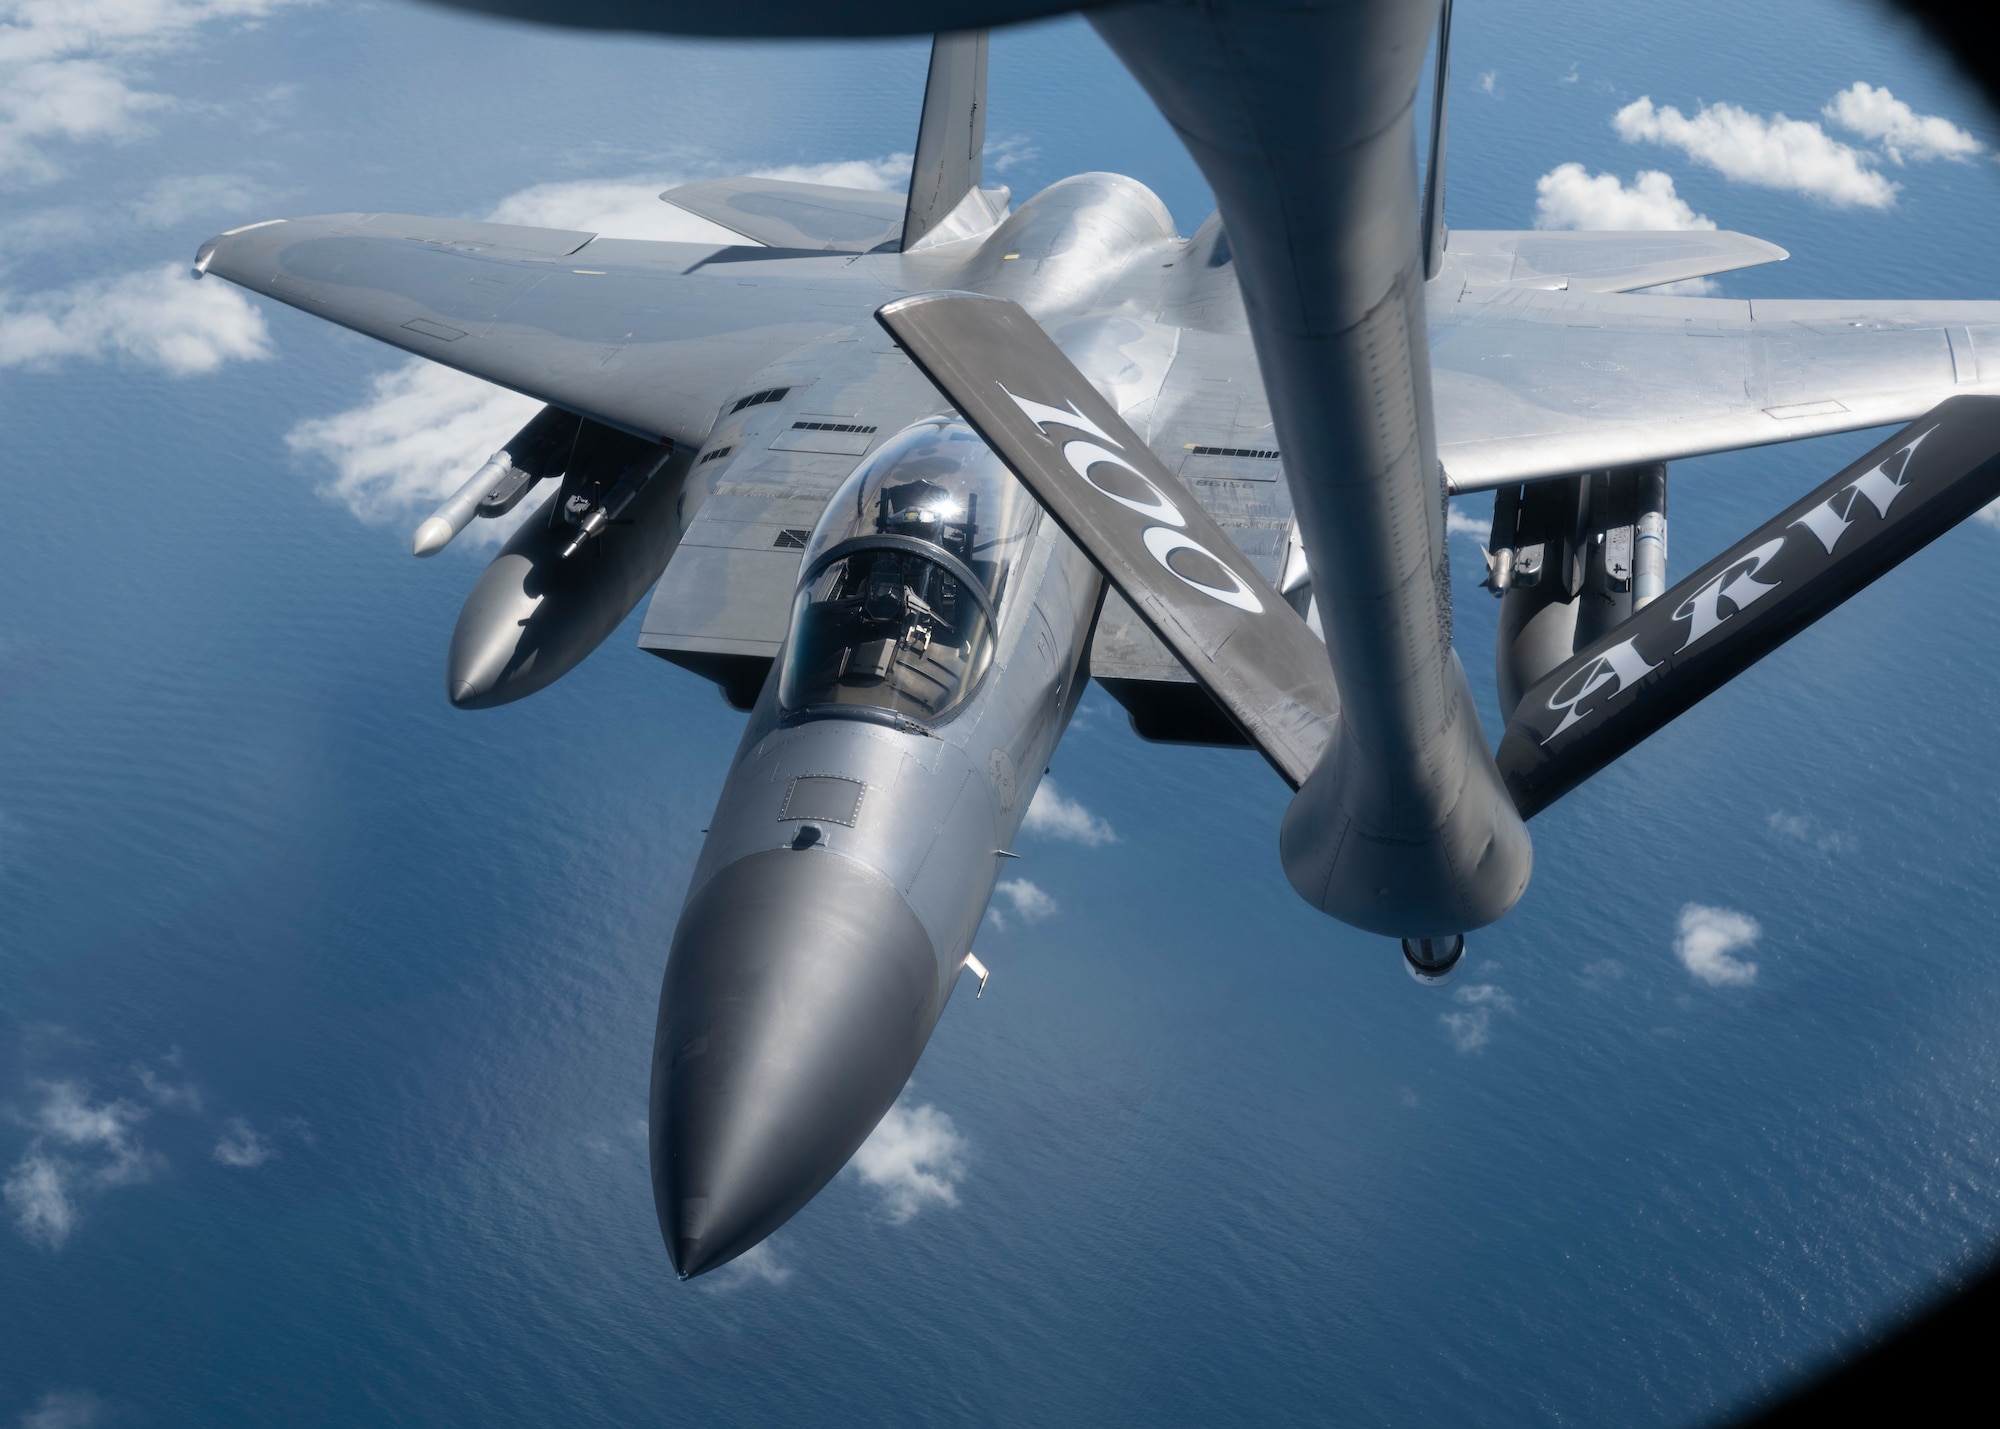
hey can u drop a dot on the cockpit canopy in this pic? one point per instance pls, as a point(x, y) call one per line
point(906, 577)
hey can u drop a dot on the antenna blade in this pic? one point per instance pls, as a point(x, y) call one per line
point(951, 136)
point(1434, 230)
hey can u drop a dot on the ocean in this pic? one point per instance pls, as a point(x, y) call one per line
point(326, 1010)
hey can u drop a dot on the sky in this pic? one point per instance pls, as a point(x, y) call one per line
point(324, 1009)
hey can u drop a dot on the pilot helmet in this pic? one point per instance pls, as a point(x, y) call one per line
point(904, 581)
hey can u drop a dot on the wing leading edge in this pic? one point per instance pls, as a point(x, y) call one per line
point(646, 337)
point(1533, 383)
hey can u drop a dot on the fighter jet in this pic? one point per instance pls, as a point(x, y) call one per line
point(905, 472)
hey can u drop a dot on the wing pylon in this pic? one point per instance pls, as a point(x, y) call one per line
point(1745, 603)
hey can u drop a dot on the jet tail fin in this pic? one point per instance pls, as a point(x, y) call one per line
point(1751, 599)
point(1434, 229)
point(1100, 481)
point(951, 136)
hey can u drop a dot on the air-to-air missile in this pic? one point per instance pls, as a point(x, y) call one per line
point(935, 658)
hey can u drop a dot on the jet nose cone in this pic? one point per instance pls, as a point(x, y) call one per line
point(799, 994)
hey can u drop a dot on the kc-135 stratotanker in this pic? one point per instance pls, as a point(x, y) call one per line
point(906, 471)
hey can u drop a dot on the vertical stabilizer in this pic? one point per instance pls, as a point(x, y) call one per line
point(1434, 231)
point(951, 135)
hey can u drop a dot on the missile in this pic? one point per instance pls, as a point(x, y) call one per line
point(1649, 556)
point(539, 449)
point(457, 512)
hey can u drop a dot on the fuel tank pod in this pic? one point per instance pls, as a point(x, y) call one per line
point(571, 573)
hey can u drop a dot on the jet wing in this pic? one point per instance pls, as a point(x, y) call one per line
point(1532, 383)
point(1104, 486)
point(647, 337)
point(784, 214)
point(1596, 262)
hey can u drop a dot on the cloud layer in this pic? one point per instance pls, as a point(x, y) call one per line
point(1811, 831)
point(1471, 1027)
point(1052, 816)
point(241, 1146)
point(69, 71)
point(1877, 115)
point(424, 430)
point(73, 1409)
point(1030, 903)
point(1707, 943)
point(79, 1147)
point(158, 316)
point(1569, 197)
point(915, 1158)
point(1773, 152)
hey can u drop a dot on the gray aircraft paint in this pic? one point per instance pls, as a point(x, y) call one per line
point(951, 135)
point(1495, 371)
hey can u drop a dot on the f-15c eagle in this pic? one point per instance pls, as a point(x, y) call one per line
point(908, 470)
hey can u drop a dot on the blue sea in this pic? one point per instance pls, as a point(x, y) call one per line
point(326, 1010)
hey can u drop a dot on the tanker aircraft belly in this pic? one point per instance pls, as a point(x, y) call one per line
point(905, 472)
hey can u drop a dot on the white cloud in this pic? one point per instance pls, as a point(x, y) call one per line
point(211, 197)
point(241, 1146)
point(615, 208)
point(1569, 197)
point(161, 1092)
point(1903, 133)
point(758, 1265)
point(1774, 152)
point(1031, 904)
point(36, 1193)
point(68, 70)
point(1472, 1028)
point(1464, 523)
point(73, 1409)
point(1003, 154)
point(1488, 80)
point(79, 1146)
point(425, 429)
point(1990, 514)
point(914, 1158)
point(1708, 939)
point(1810, 831)
point(159, 316)
point(1052, 816)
